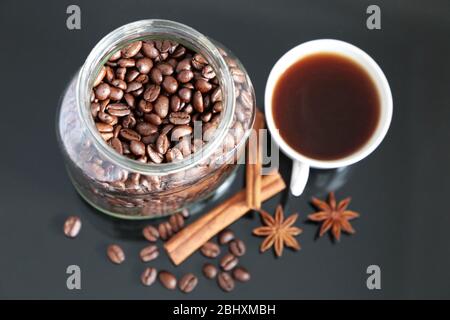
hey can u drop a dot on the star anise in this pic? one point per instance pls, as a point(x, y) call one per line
point(334, 217)
point(279, 232)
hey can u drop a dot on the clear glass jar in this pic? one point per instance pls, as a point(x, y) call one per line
point(126, 188)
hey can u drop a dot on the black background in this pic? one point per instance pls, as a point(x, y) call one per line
point(401, 190)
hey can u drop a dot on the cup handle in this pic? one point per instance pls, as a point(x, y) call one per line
point(299, 177)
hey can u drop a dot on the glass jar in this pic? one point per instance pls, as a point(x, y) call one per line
point(126, 188)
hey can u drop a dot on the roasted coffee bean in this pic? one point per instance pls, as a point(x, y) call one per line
point(115, 56)
point(165, 230)
point(126, 63)
point(130, 135)
point(144, 65)
point(225, 281)
point(104, 127)
point(118, 109)
point(167, 128)
point(150, 233)
point(185, 94)
point(168, 280)
point(156, 75)
point(119, 84)
point(202, 85)
point(142, 78)
point(145, 106)
point(72, 226)
point(170, 84)
point(131, 75)
point(107, 135)
point(238, 75)
point(133, 86)
point(179, 118)
point(206, 116)
point(152, 92)
point(185, 213)
point(109, 76)
point(148, 277)
point(107, 118)
point(228, 262)
point(198, 61)
point(100, 76)
point(150, 139)
point(149, 50)
point(173, 155)
point(175, 103)
point(208, 72)
point(197, 101)
point(155, 156)
point(137, 148)
point(210, 250)
point(237, 247)
point(166, 69)
point(179, 52)
point(188, 283)
point(161, 106)
point(115, 94)
point(115, 254)
point(132, 49)
point(149, 253)
point(180, 131)
point(185, 76)
point(162, 144)
point(117, 145)
point(121, 72)
point(216, 95)
point(146, 129)
point(241, 274)
point(226, 236)
point(217, 107)
point(129, 122)
point(153, 119)
point(209, 271)
point(102, 91)
point(176, 222)
point(95, 108)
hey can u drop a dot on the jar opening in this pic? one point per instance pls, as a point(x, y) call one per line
point(146, 30)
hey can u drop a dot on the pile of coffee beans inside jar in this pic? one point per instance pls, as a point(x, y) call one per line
point(147, 97)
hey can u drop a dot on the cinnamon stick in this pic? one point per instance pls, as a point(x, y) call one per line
point(192, 237)
point(254, 164)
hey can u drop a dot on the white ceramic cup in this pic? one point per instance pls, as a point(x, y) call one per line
point(301, 163)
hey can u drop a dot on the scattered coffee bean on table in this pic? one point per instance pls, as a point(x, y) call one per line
point(225, 281)
point(210, 250)
point(151, 93)
point(188, 283)
point(209, 271)
point(237, 247)
point(72, 226)
point(176, 222)
point(148, 277)
point(228, 262)
point(115, 254)
point(149, 253)
point(150, 233)
point(165, 230)
point(241, 274)
point(168, 280)
point(226, 236)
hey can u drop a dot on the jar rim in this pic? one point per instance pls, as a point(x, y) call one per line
point(145, 29)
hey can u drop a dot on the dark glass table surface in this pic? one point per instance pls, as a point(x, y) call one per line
point(401, 190)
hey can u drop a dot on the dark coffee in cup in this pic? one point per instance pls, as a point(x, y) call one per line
point(326, 106)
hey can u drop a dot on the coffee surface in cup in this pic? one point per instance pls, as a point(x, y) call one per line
point(326, 106)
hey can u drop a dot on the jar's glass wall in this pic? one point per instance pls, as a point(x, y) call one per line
point(119, 190)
